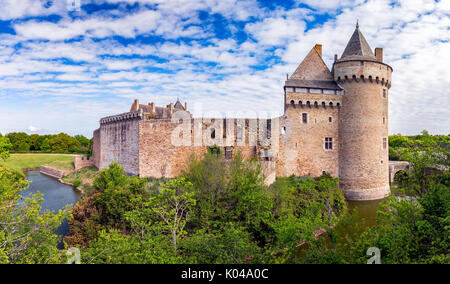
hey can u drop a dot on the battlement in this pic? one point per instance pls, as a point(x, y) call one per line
point(122, 117)
point(363, 71)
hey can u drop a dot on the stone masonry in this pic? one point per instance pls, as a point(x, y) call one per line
point(334, 121)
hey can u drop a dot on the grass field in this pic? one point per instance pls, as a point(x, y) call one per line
point(57, 161)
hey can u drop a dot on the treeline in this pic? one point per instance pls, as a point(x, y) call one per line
point(21, 142)
point(400, 146)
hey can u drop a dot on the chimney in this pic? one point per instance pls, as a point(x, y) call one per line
point(318, 48)
point(135, 105)
point(152, 106)
point(185, 106)
point(379, 54)
point(335, 57)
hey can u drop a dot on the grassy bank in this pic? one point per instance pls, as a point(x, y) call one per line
point(83, 178)
point(57, 161)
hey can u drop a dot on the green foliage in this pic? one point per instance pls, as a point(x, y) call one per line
point(173, 206)
point(114, 247)
point(64, 143)
point(21, 142)
point(60, 143)
point(303, 206)
point(77, 183)
point(26, 233)
point(408, 230)
point(111, 178)
point(229, 191)
point(228, 245)
point(5, 147)
point(427, 155)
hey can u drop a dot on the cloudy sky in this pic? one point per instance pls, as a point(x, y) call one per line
point(63, 69)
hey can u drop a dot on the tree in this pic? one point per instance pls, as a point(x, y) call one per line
point(173, 206)
point(229, 244)
point(26, 233)
point(64, 143)
point(111, 178)
point(115, 247)
point(21, 141)
point(5, 146)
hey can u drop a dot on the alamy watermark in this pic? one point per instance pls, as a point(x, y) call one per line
point(376, 255)
point(74, 5)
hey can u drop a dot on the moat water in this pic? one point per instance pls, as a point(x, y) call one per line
point(56, 196)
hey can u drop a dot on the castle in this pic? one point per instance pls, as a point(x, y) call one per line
point(334, 121)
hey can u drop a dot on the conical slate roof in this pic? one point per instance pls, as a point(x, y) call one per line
point(357, 47)
point(178, 105)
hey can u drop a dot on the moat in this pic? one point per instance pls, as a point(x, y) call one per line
point(56, 195)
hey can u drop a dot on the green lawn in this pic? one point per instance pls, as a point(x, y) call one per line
point(57, 161)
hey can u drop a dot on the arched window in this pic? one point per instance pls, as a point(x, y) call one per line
point(331, 104)
point(292, 102)
point(213, 133)
point(323, 104)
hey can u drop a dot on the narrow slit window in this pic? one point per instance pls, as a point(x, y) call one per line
point(384, 143)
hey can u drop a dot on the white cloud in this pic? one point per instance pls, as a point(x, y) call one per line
point(218, 73)
point(33, 128)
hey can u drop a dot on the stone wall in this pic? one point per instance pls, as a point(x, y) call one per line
point(96, 148)
point(53, 172)
point(302, 145)
point(364, 162)
point(82, 162)
point(120, 143)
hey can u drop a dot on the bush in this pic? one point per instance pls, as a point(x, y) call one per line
point(77, 183)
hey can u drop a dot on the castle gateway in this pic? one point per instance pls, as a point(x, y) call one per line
point(334, 121)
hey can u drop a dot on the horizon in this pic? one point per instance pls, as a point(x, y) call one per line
point(65, 69)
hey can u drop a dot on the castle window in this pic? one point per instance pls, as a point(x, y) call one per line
point(384, 143)
point(269, 128)
point(328, 143)
point(224, 128)
point(330, 119)
point(283, 130)
point(213, 133)
point(301, 90)
point(289, 89)
point(384, 120)
point(292, 102)
point(228, 153)
point(315, 91)
point(305, 117)
point(329, 92)
point(239, 132)
point(384, 93)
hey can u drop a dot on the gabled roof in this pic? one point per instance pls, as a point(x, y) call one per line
point(357, 47)
point(312, 68)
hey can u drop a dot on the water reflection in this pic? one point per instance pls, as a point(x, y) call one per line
point(56, 195)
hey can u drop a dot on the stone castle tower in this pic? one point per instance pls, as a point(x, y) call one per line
point(335, 121)
point(363, 124)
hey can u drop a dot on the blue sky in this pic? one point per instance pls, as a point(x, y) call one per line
point(62, 70)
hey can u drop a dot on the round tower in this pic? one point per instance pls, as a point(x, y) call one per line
point(363, 122)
